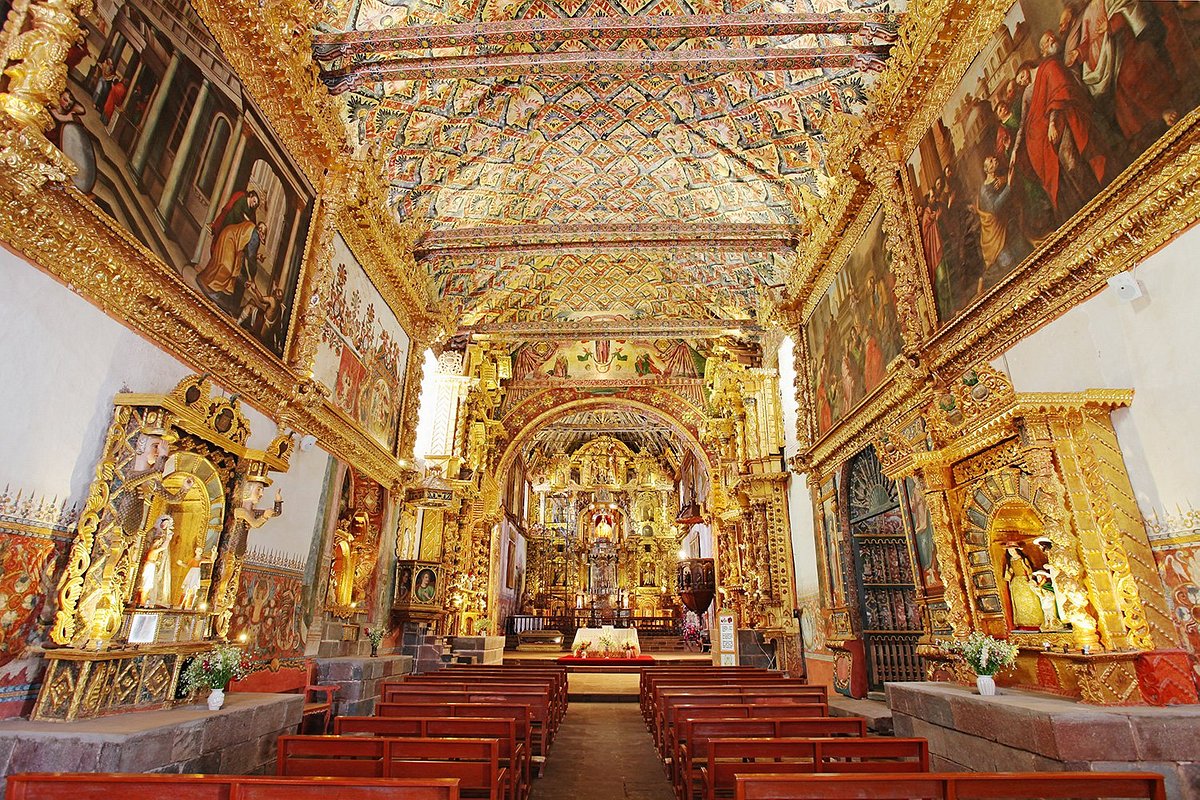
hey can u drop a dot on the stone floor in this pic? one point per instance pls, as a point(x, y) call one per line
point(603, 752)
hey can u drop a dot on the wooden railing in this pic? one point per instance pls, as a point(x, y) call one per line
point(567, 624)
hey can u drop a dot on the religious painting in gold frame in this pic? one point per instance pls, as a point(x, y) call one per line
point(1061, 101)
point(168, 143)
point(853, 331)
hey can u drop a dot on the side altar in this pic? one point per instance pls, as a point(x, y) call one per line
point(154, 568)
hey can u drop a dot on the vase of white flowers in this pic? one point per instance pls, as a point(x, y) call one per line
point(213, 671)
point(985, 655)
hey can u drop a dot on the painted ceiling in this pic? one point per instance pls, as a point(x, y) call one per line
point(649, 148)
point(639, 433)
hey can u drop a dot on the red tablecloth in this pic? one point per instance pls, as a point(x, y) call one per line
point(601, 660)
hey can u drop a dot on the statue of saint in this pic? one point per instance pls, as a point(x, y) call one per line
point(1026, 602)
point(191, 580)
point(155, 589)
point(1045, 593)
point(341, 568)
point(246, 517)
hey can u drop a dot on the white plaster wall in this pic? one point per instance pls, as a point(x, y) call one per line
point(787, 391)
point(1148, 345)
point(63, 361)
point(804, 544)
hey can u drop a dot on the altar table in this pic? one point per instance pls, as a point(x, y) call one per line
point(619, 636)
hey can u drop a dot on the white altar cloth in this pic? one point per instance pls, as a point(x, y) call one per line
point(620, 636)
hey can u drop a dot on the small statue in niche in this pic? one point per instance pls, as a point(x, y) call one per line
point(1045, 592)
point(155, 588)
point(191, 580)
point(1051, 579)
point(341, 567)
point(1026, 601)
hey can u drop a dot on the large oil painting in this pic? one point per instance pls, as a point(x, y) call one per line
point(363, 353)
point(1062, 99)
point(168, 143)
point(853, 333)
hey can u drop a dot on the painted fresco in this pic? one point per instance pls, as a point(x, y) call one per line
point(608, 359)
point(35, 535)
point(1180, 566)
point(270, 612)
point(363, 353)
point(1061, 100)
point(853, 333)
point(170, 146)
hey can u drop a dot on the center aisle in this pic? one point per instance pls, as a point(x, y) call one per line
point(603, 752)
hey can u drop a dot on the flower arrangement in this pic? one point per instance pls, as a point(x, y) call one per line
point(216, 668)
point(582, 649)
point(985, 655)
point(607, 646)
point(375, 636)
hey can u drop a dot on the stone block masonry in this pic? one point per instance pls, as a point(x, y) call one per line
point(239, 739)
point(1018, 731)
point(359, 679)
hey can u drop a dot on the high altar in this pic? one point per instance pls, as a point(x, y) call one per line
point(154, 568)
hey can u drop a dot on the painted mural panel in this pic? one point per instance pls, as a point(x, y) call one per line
point(169, 145)
point(364, 352)
point(1062, 99)
point(608, 359)
point(853, 332)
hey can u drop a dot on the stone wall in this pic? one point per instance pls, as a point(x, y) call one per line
point(239, 739)
point(359, 679)
point(1018, 731)
point(478, 649)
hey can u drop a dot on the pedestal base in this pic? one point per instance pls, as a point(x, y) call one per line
point(358, 680)
point(238, 739)
point(1019, 731)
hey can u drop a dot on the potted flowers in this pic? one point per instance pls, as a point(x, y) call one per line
point(214, 670)
point(375, 635)
point(581, 650)
point(985, 655)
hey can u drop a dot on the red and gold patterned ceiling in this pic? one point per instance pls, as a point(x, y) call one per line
point(521, 125)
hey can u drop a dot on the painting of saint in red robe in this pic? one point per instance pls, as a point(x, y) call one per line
point(1064, 97)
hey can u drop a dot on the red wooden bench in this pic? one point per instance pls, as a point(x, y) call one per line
point(556, 701)
point(694, 736)
point(705, 676)
point(110, 786)
point(954, 786)
point(519, 713)
point(728, 758)
point(664, 690)
point(540, 715)
point(855, 724)
point(474, 762)
point(293, 680)
point(661, 730)
point(514, 750)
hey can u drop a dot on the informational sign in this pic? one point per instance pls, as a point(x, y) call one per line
point(725, 653)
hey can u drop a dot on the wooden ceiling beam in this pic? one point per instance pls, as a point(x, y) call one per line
point(649, 62)
point(331, 46)
point(557, 238)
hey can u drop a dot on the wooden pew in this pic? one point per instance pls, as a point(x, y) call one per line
point(556, 700)
point(751, 712)
point(557, 675)
point(660, 686)
point(520, 713)
point(694, 736)
point(474, 762)
point(662, 724)
point(663, 689)
point(514, 749)
point(123, 786)
point(948, 785)
point(540, 714)
point(728, 758)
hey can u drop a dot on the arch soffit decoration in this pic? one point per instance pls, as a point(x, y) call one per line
point(542, 409)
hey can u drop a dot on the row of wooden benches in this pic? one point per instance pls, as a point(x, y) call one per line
point(469, 732)
point(753, 735)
